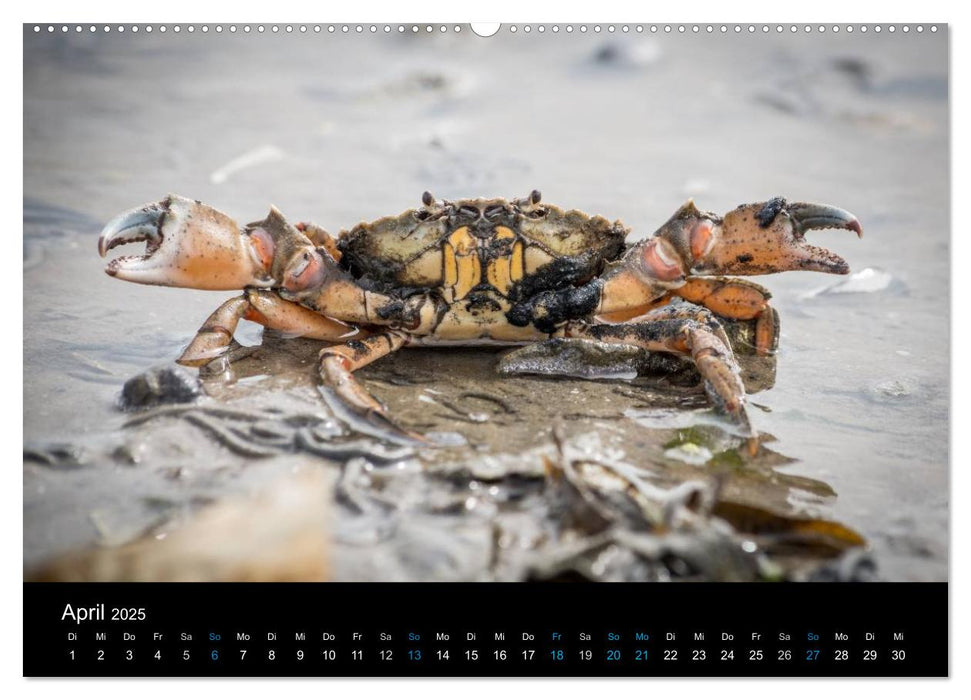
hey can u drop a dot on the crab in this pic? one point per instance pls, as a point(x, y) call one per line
point(480, 272)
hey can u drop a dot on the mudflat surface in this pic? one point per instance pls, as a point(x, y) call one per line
point(338, 129)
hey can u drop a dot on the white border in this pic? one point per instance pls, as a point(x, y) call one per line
point(832, 11)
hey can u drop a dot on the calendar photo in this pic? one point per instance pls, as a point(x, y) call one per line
point(430, 303)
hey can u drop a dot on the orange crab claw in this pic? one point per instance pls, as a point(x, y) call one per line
point(189, 244)
point(766, 237)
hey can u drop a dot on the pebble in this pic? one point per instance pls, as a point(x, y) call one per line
point(171, 384)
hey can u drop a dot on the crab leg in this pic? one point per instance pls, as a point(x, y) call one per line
point(738, 299)
point(350, 401)
point(215, 338)
point(687, 330)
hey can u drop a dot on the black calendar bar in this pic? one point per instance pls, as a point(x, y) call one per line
point(472, 629)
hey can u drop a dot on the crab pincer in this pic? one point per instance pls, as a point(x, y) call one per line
point(767, 237)
point(188, 244)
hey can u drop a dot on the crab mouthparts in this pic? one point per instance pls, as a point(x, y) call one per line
point(141, 224)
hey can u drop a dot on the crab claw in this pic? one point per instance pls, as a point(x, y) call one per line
point(188, 244)
point(756, 239)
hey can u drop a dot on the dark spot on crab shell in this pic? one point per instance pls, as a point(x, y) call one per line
point(394, 310)
point(563, 272)
point(769, 210)
point(378, 276)
point(656, 332)
point(744, 257)
point(496, 248)
point(546, 311)
point(482, 298)
point(358, 347)
point(405, 307)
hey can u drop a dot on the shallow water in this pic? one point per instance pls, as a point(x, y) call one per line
point(337, 129)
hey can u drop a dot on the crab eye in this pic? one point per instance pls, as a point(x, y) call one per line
point(469, 212)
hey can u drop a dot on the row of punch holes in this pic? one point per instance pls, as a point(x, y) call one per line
point(513, 28)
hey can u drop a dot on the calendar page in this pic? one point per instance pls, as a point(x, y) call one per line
point(527, 349)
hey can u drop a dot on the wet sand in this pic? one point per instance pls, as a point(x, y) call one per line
point(337, 129)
